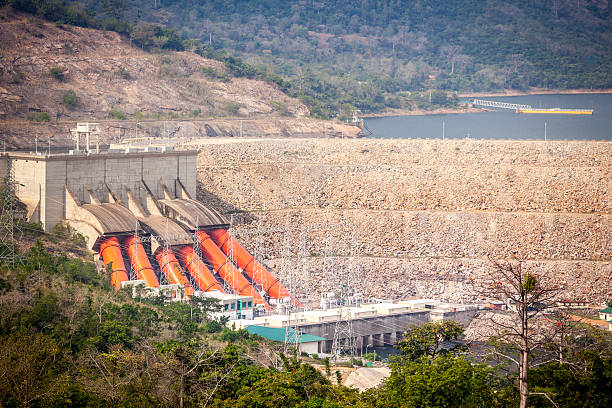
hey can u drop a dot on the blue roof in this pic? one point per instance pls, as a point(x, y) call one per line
point(279, 334)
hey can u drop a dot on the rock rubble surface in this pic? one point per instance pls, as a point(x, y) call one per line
point(417, 217)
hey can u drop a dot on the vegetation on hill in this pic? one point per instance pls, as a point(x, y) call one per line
point(371, 54)
point(66, 338)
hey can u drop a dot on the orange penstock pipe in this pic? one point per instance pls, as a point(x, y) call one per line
point(172, 270)
point(110, 251)
point(228, 272)
point(197, 269)
point(250, 265)
point(140, 261)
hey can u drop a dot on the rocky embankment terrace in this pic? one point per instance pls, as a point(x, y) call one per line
point(416, 217)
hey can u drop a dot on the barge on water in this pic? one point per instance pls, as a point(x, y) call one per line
point(530, 109)
point(557, 111)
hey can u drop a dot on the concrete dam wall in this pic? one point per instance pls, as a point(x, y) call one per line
point(422, 215)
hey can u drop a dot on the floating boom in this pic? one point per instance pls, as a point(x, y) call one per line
point(172, 269)
point(228, 272)
point(250, 265)
point(110, 251)
point(140, 261)
point(197, 269)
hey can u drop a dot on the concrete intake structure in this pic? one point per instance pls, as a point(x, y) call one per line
point(45, 178)
point(122, 200)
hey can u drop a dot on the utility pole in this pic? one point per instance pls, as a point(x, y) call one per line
point(443, 129)
point(544, 131)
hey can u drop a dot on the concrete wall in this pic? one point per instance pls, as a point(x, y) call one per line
point(45, 178)
point(31, 174)
point(385, 330)
point(378, 331)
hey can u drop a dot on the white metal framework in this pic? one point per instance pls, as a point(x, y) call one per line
point(496, 104)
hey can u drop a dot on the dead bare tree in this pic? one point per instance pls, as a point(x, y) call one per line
point(108, 374)
point(451, 52)
point(523, 330)
point(182, 362)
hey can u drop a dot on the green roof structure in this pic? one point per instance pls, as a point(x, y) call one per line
point(279, 334)
point(606, 310)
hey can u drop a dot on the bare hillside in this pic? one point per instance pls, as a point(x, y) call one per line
point(119, 85)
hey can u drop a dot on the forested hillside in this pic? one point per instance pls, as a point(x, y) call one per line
point(368, 53)
point(67, 339)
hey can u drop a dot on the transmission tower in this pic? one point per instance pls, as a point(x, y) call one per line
point(197, 248)
point(344, 339)
point(293, 333)
point(258, 275)
point(304, 275)
point(328, 275)
point(10, 230)
point(231, 255)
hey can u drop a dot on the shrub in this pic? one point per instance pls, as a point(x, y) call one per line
point(357, 362)
point(123, 73)
point(70, 98)
point(213, 74)
point(39, 117)
point(17, 77)
point(213, 326)
point(281, 108)
point(58, 73)
point(117, 114)
point(233, 107)
point(372, 357)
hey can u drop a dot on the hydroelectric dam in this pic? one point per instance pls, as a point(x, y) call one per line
point(136, 209)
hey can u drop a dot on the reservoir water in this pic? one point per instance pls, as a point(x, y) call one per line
point(506, 124)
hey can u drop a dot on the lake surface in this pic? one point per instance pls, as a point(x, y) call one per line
point(506, 124)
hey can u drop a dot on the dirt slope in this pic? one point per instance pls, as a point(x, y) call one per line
point(108, 75)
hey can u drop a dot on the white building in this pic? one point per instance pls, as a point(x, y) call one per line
point(234, 307)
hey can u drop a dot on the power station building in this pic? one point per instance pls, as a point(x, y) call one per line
point(137, 211)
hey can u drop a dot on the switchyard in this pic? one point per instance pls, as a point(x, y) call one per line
point(136, 209)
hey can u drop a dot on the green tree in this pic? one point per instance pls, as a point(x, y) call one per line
point(426, 374)
point(440, 381)
point(70, 98)
point(428, 339)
